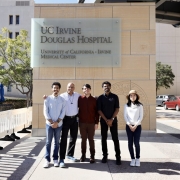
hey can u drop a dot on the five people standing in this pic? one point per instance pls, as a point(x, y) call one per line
point(70, 107)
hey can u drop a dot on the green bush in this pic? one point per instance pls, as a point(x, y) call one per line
point(12, 104)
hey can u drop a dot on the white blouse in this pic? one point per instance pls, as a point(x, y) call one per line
point(133, 115)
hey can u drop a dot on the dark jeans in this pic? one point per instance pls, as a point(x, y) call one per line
point(114, 134)
point(134, 137)
point(72, 125)
point(87, 132)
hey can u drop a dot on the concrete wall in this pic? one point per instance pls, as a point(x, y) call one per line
point(168, 52)
point(137, 69)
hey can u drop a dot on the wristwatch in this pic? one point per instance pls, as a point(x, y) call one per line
point(58, 121)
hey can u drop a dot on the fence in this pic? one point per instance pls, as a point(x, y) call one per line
point(15, 120)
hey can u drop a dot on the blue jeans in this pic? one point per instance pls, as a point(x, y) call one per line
point(50, 133)
point(134, 137)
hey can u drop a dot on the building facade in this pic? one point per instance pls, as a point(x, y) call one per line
point(138, 61)
point(16, 15)
point(168, 52)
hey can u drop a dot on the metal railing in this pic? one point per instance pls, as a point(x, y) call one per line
point(13, 120)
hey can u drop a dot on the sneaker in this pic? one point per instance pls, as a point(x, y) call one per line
point(138, 162)
point(62, 164)
point(46, 164)
point(104, 159)
point(56, 164)
point(118, 161)
point(132, 163)
point(73, 159)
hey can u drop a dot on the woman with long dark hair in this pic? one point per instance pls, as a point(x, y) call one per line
point(133, 115)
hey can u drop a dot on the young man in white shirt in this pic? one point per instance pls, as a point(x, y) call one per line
point(54, 111)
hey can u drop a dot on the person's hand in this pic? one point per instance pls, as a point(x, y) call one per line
point(45, 96)
point(132, 128)
point(96, 126)
point(109, 122)
point(54, 125)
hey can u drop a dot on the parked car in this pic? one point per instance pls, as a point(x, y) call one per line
point(173, 102)
point(160, 99)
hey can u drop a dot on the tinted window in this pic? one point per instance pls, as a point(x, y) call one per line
point(161, 96)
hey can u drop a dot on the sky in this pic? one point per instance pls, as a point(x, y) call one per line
point(62, 1)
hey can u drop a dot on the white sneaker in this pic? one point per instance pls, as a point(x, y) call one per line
point(56, 164)
point(132, 163)
point(73, 159)
point(46, 164)
point(138, 162)
point(62, 164)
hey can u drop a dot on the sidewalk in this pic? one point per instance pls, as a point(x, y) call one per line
point(160, 157)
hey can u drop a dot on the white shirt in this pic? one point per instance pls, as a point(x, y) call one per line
point(71, 103)
point(133, 115)
point(54, 108)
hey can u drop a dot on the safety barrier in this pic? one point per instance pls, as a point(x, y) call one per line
point(13, 120)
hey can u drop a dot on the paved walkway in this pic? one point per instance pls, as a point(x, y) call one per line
point(160, 159)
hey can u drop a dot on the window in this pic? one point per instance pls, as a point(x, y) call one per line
point(16, 34)
point(17, 19)
point(10, 35)
point(10, 19)
point(22, 3)
point(9, 87)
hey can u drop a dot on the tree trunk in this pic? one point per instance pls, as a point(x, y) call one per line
point(27, 99)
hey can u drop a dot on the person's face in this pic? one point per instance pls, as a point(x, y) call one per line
point(133, 97)
point(106, 88)
point(86, 90)
point(55, 90)
point(70, 88)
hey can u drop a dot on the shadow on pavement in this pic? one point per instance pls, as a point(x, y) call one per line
point(166, 168)
point(18, 157)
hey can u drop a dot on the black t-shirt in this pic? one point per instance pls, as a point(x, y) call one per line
point(108, 104)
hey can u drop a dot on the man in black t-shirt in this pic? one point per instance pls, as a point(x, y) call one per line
point(108, 108)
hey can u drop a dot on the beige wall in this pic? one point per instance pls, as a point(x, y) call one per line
point(168, 52)
point(137, 69)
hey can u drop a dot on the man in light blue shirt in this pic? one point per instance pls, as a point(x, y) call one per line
point(54, 112)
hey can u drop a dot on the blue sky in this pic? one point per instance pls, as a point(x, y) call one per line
point(62, 1)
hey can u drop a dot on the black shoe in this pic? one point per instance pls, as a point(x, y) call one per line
point(23, 131)
point(83, 158)
point(1, 148)
point(104, 159)
point(14, 136)
point(30, 127)
point(92, 160)
point(118, 161)
point(7, 138)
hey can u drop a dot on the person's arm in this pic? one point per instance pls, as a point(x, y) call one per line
point(115, 113)
point(140, 116)
point(46, 111)
point(99, 109)
point(102, 115)
point(63, 111)
point(126, 115)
